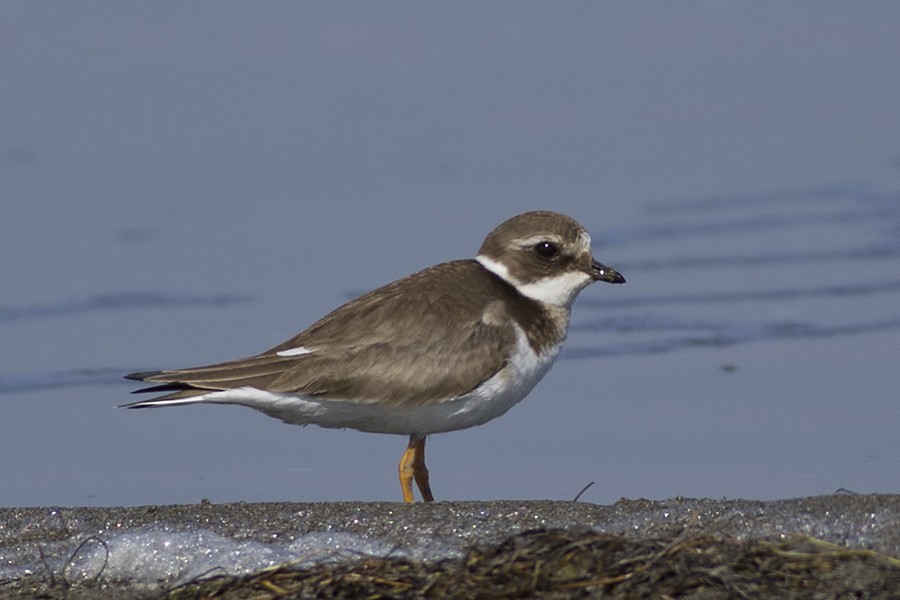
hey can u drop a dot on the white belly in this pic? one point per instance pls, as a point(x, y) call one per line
point(488, 401)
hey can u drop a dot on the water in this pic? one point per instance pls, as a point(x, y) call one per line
point(183, 185)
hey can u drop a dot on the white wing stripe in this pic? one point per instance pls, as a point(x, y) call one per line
point(295, 351)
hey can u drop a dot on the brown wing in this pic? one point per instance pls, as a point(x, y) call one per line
point(400, 345)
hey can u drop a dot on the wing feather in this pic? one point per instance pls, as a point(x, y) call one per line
point(399, 345)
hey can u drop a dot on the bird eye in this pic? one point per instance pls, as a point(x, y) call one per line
point(546, 249)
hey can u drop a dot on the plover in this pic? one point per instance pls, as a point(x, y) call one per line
point(449, 347)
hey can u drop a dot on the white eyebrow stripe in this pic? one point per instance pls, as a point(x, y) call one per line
point(536, 239)
point(295, 351)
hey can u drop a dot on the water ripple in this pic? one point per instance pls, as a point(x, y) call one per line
point(116, 301)
point(828, 291)
point(27, 382)
point(718, 334)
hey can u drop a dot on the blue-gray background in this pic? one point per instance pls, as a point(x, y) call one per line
point(185, 183)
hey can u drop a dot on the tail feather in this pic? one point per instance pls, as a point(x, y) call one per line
point(180, 392)
point(165, 387)
point(188, 396)
point(184, 386)
point(143, 375)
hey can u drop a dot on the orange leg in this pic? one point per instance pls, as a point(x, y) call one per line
point(412, 466)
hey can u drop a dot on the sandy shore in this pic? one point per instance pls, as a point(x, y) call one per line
point(39, 547)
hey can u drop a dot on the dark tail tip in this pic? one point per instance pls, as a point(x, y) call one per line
point(142, 376)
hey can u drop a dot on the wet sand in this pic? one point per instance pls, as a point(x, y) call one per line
point(868, 526)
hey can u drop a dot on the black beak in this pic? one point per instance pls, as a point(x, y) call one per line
point(603, 273)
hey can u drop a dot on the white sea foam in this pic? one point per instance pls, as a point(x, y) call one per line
point(167, 558)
